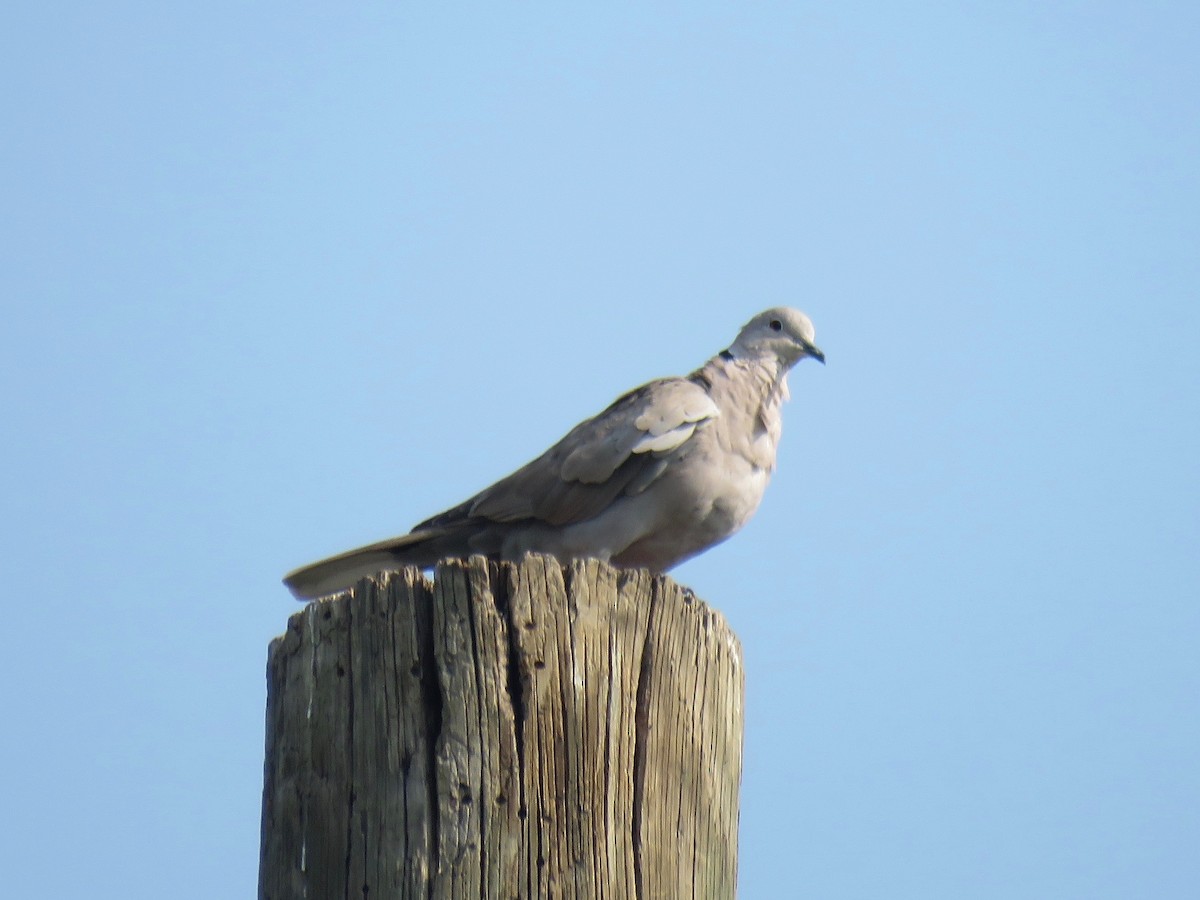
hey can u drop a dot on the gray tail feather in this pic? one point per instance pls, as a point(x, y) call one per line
point(342, 572)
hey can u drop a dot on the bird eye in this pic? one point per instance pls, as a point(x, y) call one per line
point(776, 325)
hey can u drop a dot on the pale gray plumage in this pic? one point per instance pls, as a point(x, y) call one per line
point(668, 470)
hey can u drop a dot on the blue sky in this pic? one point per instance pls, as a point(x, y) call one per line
point(284, 279)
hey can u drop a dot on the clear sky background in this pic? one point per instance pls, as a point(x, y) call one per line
point(283, 278)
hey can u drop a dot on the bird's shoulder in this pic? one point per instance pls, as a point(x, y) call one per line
point(655, 418)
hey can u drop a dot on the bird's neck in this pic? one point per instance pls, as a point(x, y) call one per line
point(749, 393)
point(766, 376)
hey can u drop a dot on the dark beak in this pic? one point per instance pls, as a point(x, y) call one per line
point(815, 352)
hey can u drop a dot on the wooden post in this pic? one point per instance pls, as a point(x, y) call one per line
point(506, 731)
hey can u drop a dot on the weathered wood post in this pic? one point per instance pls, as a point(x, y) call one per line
point(508, 731)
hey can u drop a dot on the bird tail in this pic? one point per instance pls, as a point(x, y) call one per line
point(342, 572)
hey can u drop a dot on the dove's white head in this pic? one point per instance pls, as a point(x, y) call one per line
point(783, 333)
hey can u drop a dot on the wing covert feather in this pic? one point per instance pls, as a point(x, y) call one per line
point(618, 451)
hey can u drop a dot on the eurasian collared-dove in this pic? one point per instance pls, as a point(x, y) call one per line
point(668, 470)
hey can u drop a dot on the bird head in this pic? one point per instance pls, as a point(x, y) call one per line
point(783, 333)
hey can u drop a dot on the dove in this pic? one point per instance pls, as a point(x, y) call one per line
point(665, 472)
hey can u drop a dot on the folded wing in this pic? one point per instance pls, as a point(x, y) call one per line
point(621, 451)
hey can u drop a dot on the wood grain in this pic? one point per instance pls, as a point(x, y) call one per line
point(504, 731)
